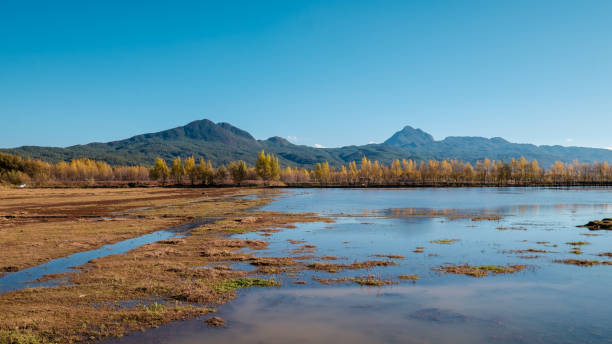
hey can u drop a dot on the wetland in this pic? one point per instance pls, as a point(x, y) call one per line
point(306, 265)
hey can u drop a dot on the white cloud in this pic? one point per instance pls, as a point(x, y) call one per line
point(371, 143)
point(292, 138)
point(610, 148)
point(569, 140)
point(318, 146)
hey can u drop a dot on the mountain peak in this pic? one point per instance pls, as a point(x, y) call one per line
point(409, 137)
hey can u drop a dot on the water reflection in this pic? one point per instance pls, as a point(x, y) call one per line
point(547, 302)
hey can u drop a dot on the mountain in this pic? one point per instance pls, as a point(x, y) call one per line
point(410, 137)
point(222, 142)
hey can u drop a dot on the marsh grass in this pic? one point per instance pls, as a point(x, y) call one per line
point(334, 268)
point(244, 282)
point(372, 281)
point(479, 271)
point(582, 262)
point(578, 243)
point(390, 256)
point(19, 337)
point(444, 241)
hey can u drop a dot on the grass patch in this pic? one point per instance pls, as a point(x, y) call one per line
point(576, 250)
point(18, 337)
point(581, 262)
point(333, 268)
point(390, 256)
point(577, 243)
point(529, 250)
point(444, 241)
point(372, 281)
point(409, 277)
point(244, 282)
point(605, 224)
point(479, 271)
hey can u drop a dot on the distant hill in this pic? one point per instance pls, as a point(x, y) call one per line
point(222, 142)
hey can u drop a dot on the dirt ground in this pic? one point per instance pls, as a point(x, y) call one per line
point(37, 225)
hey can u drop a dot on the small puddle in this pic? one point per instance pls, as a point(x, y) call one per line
point(25, 278)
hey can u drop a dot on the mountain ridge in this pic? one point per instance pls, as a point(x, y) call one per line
point(222, 142)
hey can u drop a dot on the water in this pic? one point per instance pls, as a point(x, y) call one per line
point(27, 277)
point(546, 303)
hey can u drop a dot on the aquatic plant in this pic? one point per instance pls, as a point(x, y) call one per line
point(244, 282)
point(390, 256)
point(580, 262)
point(479, 271)
point(578, 243)
point(444, 241)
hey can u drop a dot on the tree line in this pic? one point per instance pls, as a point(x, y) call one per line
point(16, 170)
point(267, 170)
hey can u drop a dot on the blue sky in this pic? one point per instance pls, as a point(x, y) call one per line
point(330, 73)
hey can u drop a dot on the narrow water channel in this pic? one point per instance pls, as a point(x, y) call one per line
point(27, 277)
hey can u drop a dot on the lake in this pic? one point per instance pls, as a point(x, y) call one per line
point(545, 302)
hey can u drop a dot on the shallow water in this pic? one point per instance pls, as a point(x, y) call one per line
point(27, 277)
point(546, 303)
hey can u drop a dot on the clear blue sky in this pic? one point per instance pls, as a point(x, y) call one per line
point(331, 72)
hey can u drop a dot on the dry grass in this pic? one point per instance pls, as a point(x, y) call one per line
point(42, 224)
point(390, 256)
point(529, 250)
point(605, 224)
point(181, 275)
point(368, 280)
point(333, 268)
point(581, 262)
point(215, 322)
point(372, 281)
point(444, 241)
point(578, 243)
point(479, 271)
point(409, 277)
